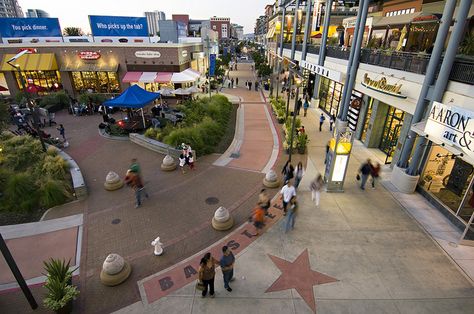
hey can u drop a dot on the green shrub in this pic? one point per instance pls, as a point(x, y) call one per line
point(21, 152)
point(52, 151)
point(116, 130)
point(55, 101)
point(55, 167)
point(60, 293)
point(52, 192)
point(20, 192)
point(151, 133)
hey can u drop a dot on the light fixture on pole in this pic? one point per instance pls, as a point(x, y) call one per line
point(297, 81)
point(29, 101)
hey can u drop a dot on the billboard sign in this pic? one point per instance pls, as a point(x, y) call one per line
point(35, 28)
point(118, 26)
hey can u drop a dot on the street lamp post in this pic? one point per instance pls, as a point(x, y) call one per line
point(29, 101)
point(289, 95)
point(293, 124)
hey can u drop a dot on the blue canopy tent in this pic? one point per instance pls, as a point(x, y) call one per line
point(133, 97)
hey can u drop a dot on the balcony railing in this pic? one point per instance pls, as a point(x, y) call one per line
point(462, 70)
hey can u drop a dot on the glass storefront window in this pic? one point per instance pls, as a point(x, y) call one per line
point(97, 82)
point(44, 79)
point(391, 132)
point(363, 136)
point(330, 96)
point(448, 178)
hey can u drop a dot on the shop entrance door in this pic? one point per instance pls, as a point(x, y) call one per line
point(391, 132)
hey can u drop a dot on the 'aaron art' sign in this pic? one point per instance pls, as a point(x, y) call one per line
point(453, 126)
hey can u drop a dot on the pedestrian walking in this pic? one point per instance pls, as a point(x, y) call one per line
point(256, 86)
point(257, 217)
point(315, 187)
point(290, 219)
point(232, 82)
point(364, 172)
point(247, 84)
point(305, 106)
point(287, 192)
point(287, 171)
point(182, 161)
point(207, 273)
point(227, 266)
point(299, 173)
point(190, 160)
point(250, 85)
point(62, 131)
point(135, 166)
point(374, 173)
point(332, 119)
point(321, 121)
point(236, 81)
point(264, 201)
point(299, 103)
point(327, 152)
point(133, 180)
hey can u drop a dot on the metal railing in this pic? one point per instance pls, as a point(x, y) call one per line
point(462, 70)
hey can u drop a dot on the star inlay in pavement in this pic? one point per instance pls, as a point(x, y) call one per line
point(298, 275)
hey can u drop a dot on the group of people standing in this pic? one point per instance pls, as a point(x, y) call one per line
point(186, 157)
point(207, 271)
point(368, 169)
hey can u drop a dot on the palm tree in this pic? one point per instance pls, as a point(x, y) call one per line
point(72, 31)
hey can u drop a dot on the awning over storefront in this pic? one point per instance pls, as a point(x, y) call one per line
point(397, 19)
point(31, 62)
point(182, 77)
point(192, 73)
point(131, 77)
point(163, 77)
point(147, 77)
point(271, 32)
point(90, 67)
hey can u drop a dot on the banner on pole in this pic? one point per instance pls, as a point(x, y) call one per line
point(212, 64)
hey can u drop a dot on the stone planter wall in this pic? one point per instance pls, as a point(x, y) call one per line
point(156, 146)
point(78, 183)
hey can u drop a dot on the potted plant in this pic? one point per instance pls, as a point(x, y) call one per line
point(302, 142)
point(61, 292)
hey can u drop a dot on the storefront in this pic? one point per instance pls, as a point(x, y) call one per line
point(154, 81)
point(422, 34)
point(38, 71)
point(391, 132)
point(330, 96)
point(92, 71)
point(447, 178)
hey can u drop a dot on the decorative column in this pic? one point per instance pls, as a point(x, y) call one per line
point(295, 24)
point(307, 28)
point(282, 31)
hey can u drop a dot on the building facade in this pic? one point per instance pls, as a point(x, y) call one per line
point(36, 13)
point(221, 25)
point(152, 19)
point(387, 87)
point(10, 8)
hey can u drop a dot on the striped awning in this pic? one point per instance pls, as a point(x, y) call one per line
point(192, 73)
point(31, 62)
point(131, 77)
point(182, 77)
point(147, 77)
point(163, 77)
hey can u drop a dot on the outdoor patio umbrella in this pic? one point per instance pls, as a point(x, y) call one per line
point(181, 91)
point(166, 92)
point(133, 97)
point(193, 90)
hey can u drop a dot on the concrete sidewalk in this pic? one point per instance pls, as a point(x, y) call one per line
point(358, 252)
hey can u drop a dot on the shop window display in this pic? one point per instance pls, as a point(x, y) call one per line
point(363, 136)
point(448, 178)
point(391, 132)
point(330, 96)
point(97, 82)
point(46, 80)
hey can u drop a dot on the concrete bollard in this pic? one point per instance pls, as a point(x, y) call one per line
point(222, 219)
point(115, 270)
point(158, 246)
point(168, 164)
point(112, 181)
point(271, 179)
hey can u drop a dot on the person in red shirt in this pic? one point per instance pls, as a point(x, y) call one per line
point(258, 215)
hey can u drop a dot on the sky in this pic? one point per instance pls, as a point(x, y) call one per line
point(75, 12)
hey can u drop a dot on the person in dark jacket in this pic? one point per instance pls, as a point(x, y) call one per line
point(364, 172)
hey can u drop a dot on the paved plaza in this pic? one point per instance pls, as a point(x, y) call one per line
point(358, 252)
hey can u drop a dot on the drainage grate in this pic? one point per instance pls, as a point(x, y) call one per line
point(212, 200)
point(116, 221)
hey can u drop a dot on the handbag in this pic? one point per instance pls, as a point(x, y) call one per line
point(357, 177)
point(200, 285)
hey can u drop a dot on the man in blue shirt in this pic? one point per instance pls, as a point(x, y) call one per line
point(227, 266)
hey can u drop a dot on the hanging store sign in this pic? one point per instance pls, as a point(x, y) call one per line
point(317, 10)
point(89, 55)
point(382, 86)
point(147, 54)
point(299, 21)
point(453, 126)
point(184, 53)
point(320, 70)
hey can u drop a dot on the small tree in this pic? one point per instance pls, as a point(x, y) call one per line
point(72, 31)
point(4, 116)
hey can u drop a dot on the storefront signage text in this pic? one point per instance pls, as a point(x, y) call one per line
point(382, 86)
point(148, 54)
point(184, 53)
point(89, 55)
point(453, 126)
point(320, 70)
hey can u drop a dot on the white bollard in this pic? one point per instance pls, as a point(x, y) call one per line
point(158, 246)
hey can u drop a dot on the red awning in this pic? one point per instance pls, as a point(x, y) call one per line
point(163, 77)
point(131, 77)
point(3, 89)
